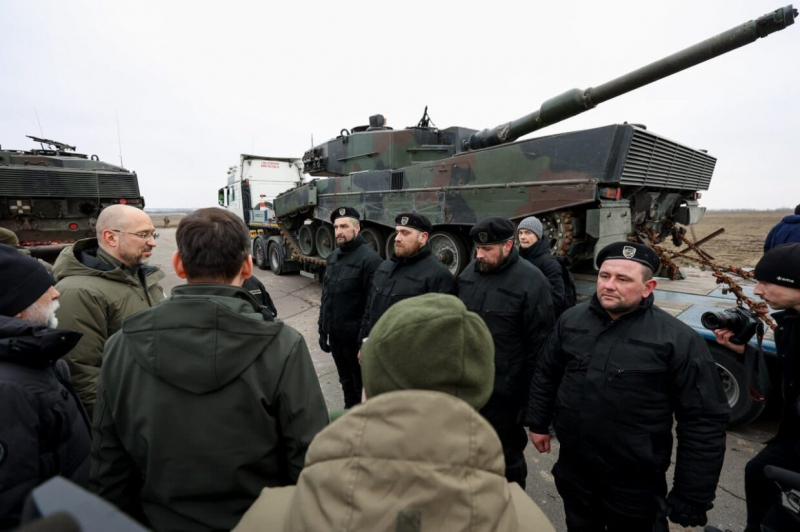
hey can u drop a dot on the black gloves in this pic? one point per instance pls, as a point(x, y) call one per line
point(687, 514)
point(323, 342)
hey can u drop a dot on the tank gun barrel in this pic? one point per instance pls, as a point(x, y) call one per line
point(576, 101)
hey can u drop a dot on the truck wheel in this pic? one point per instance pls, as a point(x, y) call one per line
point(260, 254)
point(326, 241)
point(731, 373)
point(375, 239)
point(450, 249)
point(305, 240)
point(276, 259)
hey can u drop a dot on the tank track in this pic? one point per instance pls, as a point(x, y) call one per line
point(290, 241)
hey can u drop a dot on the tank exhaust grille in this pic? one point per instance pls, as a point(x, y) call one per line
point(397, 180)
point(48, 183)
point(654, 161)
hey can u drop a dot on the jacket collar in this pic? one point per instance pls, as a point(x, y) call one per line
point(416, 257)
point(541, 247)
point(216, 289)
point(597, 308)
point(29, 344)
point(352, 245)
point(512, 259)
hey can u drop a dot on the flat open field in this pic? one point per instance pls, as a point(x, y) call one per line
point(742, 243)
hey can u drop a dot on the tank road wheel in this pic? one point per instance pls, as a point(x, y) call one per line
point(731, 373)
point(326, 241)
point(305, 240)
point(291, 222)
point(260, 254)
point(375, 238)
point(450, 249)
point(389, 247)
point(276, 259)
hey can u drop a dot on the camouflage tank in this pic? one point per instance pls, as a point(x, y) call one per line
point(589, 187)
point(51, 197)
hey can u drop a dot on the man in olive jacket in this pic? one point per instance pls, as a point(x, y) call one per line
point(102, 281)
point(203, 399)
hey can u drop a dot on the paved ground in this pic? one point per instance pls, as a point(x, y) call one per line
point(297, 299)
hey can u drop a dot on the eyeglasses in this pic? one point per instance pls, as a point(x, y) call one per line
point(142, 235)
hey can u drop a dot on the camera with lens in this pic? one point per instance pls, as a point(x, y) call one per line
point(743, 323)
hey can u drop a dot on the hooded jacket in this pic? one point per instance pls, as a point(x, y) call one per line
point(785, 232)
point(540, 256)
point(97, 294)
point(44, 431)
point(202, 402)
point(406, 461)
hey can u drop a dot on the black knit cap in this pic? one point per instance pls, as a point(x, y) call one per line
point(781, 266)
point(414, 221)
point(24, 281)
point(630, 251)
point(492, 230)
point(344, 212)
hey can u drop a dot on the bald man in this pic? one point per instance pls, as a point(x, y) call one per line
point(102, 281)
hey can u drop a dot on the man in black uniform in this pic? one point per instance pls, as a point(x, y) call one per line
point(615, 370)
point(348, 278)
point(513, 298)
point(778, 276)
point(412, 271)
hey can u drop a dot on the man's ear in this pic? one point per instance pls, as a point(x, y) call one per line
point(110, 238)
point(247, 268)
point(509, 244)
point(649, 286)
point(177, 265)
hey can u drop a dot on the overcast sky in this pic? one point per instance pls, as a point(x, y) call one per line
point(197, 83)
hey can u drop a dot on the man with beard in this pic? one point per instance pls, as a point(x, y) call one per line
point(102, 281)
point(44, 431)
point(412, 271)
point(617, 371)
point(348, 278)
point(513, 298)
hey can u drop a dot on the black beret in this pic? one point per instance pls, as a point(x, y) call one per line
point(24, 280)
point(344, 212)
point(414, 221)
point(780, 265)
point(634, 251)
point(492, 230)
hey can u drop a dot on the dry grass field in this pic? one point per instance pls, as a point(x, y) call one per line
point(742, 243)
point(158, 219)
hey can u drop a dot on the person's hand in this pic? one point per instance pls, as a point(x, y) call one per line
point(323, 342)
point(687, 514)
point(540, 441)
point(724, 339)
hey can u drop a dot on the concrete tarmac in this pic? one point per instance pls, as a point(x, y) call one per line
point(297, 299)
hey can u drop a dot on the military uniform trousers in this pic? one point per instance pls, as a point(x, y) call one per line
point(594, 504)
point(345, 356)
point(514, 439)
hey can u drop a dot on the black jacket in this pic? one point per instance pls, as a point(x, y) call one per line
point(515, 303)
point(400, 278)
point(787, 340)
point(539, 255)
point(615, 386)
point(44, 431)
point(348, 278)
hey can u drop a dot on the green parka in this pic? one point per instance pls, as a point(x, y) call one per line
point(202, 402)
point(97, 294)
